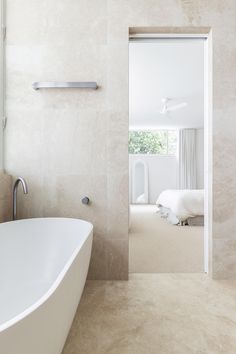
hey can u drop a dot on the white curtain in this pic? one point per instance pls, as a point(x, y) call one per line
point(187, 159)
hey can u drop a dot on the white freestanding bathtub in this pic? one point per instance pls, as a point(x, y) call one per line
point(43, 268)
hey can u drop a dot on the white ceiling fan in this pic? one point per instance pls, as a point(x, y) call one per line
point(168, 108)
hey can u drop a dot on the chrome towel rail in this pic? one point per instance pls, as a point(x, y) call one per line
point(83, 85)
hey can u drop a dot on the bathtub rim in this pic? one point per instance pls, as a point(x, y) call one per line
point(14, 320)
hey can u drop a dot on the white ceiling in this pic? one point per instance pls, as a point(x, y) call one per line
point(172, 68)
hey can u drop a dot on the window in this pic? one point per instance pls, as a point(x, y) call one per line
point(160, 142)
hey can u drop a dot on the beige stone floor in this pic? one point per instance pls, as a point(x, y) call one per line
point(156, 314)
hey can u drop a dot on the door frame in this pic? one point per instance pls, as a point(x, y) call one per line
point(204, 33)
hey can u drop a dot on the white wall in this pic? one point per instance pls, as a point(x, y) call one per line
point(162, 173)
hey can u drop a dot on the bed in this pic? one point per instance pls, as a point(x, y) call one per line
point(182, 207)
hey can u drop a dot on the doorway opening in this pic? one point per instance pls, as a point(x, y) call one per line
point(168, 153)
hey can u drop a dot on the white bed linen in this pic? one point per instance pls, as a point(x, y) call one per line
point(185, 203)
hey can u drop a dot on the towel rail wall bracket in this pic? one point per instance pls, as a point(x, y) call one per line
point(82, 85)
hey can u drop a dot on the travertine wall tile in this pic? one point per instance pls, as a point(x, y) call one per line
point(5, 197)
point(71, 143)
point(224, 264)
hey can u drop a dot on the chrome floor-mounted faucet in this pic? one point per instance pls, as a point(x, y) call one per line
point(25, 190)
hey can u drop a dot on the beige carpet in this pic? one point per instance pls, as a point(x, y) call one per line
point(158, 247)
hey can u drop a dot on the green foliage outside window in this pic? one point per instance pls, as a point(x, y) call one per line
point(161, 142)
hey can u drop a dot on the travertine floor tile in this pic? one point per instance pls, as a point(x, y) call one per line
point(156, 313)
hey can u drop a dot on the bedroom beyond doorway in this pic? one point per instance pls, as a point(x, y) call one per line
point(166, 154)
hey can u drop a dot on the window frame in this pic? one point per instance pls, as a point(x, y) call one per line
point(167, 142)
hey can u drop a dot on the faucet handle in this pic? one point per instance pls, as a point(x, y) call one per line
point(85, 200)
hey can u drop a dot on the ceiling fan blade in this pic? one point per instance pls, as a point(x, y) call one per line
point(163, 110)
point(177, 106)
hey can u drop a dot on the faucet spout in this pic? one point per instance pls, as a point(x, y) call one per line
point(18, 181)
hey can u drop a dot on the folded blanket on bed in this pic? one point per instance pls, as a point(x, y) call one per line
point(184, 204)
